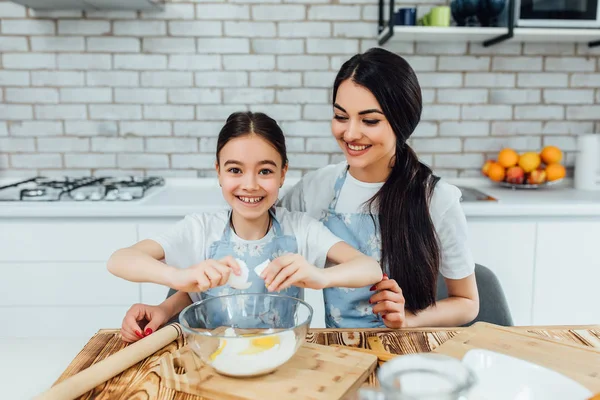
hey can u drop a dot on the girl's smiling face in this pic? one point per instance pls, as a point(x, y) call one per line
point(250, 172)
point(363, 132)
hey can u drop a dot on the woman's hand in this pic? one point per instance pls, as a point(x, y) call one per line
point(205, 275)
point(293, 269)
point(141, 320)
point(389, 303)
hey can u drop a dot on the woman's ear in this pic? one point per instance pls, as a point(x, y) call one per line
point(283, 172)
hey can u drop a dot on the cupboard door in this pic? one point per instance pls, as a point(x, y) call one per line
point(64, 284)
point(567, 273)
point(508, 249)
point(57, 240)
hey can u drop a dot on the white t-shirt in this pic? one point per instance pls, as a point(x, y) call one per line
point(315, 191)
point(188, 242)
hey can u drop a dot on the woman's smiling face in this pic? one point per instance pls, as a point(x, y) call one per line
point(362, 131)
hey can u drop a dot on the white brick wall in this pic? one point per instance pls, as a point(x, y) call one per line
point(126, 92)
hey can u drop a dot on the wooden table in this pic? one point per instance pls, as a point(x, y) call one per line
point(142, 382)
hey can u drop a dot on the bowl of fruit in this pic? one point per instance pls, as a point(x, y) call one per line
point(529, 170)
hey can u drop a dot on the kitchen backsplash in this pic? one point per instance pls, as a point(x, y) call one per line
point(126, 92)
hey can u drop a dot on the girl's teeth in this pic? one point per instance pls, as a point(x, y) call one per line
point(250, 199)
point(356, 148)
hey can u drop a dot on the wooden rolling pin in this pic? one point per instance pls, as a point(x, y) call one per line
point(96, 374)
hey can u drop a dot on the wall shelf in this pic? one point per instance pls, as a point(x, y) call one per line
point(477, 34)
point(489, 36)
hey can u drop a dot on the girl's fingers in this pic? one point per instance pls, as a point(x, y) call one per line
point(387, 295)
point(388, 284)
point(231, 263)
point(291, 280)
point(202, 283)
point(224, 272)
point(272, 270)
point(213, 275)
point(282, 276)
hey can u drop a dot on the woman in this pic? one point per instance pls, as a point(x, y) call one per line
point(387, 204)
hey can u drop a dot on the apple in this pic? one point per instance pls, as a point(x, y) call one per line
point(537, 176)
point(486, 166)
point(515, 175)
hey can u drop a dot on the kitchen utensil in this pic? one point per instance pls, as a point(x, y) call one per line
point(246, 334)
point(587, 162)
point(424, 376)
point(406, 16)
point(580, 363)
point(438, 16)
point(314, 372)
point(102, 371)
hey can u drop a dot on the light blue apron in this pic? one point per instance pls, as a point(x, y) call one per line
point(350, 307)
point(253, 253)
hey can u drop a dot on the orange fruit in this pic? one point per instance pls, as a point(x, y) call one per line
point(551, 155)
point(508, 158)
point(555, 172)
point(529, 161)
point(496, 172)
point(486, 165)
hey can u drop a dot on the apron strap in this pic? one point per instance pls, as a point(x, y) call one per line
point(337, 188)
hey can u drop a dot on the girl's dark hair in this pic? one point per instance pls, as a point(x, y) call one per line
point(410, 251)
point(253, 123)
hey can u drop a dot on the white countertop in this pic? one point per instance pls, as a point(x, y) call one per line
point(31, 365)
point(181, 196)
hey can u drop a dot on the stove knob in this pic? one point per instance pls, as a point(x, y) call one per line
point(111, 196)
point(80, 196)
point(95, 196)
point(125, 196)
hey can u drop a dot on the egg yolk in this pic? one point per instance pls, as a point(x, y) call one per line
point(219, 350)
point(261, 344)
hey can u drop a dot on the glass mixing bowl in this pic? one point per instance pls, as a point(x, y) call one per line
point(246, 335)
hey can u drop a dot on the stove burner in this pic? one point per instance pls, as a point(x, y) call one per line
point(33, 192)
point(126, 188)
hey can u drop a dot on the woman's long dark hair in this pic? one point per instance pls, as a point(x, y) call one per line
point(410, 250)
point(246, 123)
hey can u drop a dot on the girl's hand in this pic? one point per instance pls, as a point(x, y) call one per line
point(141, 320)
point(205, 275)
point(389, 303)
point(293, 269)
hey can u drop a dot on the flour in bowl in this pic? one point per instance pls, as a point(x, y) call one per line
point(252, 355)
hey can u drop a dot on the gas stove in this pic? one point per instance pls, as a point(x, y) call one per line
point(82, 189)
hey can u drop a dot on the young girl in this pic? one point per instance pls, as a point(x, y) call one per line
point(203, 250)
point(387, 204)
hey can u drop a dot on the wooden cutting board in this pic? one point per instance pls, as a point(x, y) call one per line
point(314, 372)
point(580, 363)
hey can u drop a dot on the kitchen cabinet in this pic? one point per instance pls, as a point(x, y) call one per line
point(55, 283)
point(54, 279)
point(567, 273)
point(508, 249)
point(58, 240)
